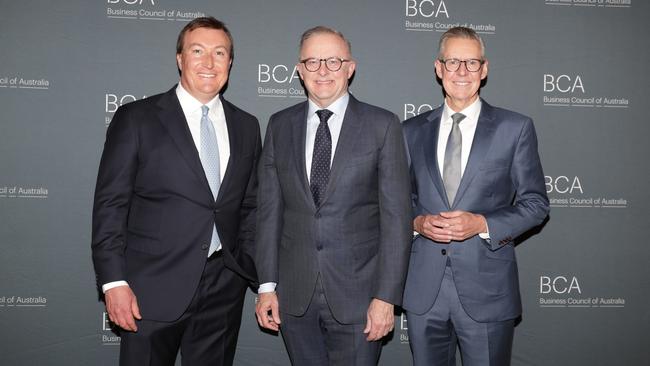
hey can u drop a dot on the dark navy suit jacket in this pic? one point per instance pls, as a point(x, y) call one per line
point(154, 211)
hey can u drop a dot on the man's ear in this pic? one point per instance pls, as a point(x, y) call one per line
point(179, 59)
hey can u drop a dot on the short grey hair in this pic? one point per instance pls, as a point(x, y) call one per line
point(321, 29)
point(460, 32)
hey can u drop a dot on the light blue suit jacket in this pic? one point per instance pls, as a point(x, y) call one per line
point(503, 181)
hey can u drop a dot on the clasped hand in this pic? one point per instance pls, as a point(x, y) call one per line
point(452, 225)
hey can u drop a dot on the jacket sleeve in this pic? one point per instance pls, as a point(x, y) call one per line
point(113, 192)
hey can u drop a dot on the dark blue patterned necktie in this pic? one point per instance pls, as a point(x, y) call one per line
point(320, 163)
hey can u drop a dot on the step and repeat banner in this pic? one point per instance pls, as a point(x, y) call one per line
point(579, 68)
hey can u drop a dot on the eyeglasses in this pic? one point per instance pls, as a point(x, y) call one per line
point(332, 63)
point(453, 64)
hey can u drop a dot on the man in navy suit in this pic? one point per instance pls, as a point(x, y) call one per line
point(477, 184)
point(174, 211)
point(333, 215)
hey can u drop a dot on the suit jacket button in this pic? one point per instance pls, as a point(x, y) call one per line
point(317, 215)
point(205, 246)
point(444, 252)
point(319, 247)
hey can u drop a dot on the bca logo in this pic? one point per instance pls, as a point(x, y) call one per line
point(563, 83)
point(426, 8)
point(412, 110)
point(558, 285)
point(563, 184)
point(131, 2)
point(114, 101)
point(280, 74)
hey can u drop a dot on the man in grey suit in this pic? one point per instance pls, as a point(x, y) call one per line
point(477, 185)
point(333, 217)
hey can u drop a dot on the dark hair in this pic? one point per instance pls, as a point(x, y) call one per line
point(203, 22)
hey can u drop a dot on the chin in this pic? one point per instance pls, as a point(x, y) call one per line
point(210, 90)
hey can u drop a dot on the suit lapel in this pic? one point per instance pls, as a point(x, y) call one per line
point(350, 129)
point(299, 137)
point(430, 143)
point(480, 146)
point(235, 141)
point(172, 118)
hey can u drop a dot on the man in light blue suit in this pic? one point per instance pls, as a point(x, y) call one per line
point(477, 185)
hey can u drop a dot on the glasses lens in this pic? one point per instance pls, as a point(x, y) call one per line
point(473, 65)
point(333, 64)
point(452, 64)
point(312, 64)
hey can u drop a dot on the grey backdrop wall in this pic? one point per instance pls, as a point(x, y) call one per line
point(578, 67)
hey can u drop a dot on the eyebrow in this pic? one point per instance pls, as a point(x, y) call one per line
point(203, 46)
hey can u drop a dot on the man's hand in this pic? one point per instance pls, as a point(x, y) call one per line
point(122, 307)
point(463, 224)
point(380, 320)
point(434, 227)
point(448, 226)
point(268, 301)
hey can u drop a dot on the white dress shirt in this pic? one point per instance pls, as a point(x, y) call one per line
point(467, 129)
point(192, 110)
point(335, 122)
point(193, 113)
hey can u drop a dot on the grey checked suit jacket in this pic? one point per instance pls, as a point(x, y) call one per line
point(358, 239)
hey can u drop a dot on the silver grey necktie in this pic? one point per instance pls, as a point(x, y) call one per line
point(451, 170)
point(211, 166)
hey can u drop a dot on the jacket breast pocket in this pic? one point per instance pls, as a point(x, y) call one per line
point(368, 157)
point(493, 174)
point(494, 164)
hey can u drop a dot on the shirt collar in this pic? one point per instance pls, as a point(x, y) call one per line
point(189, 104)
point(471, 112)
point(337, 107)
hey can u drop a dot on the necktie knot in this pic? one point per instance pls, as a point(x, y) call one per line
point(457, 117)
point(324, 114)
point(204, 110)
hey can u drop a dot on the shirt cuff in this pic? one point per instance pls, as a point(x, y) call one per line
point(266, 287)
point(110, 285)
point(485, 236)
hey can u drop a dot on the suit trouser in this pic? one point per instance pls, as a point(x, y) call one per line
point(432, 335)
point(317, 339)
point(207, 331)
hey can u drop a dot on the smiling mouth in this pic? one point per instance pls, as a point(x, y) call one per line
point(207, 76)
